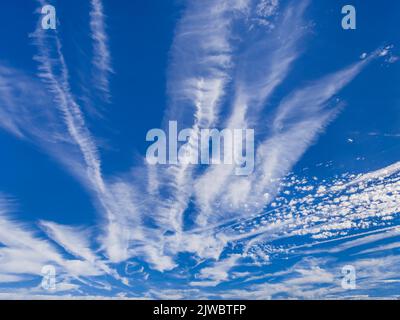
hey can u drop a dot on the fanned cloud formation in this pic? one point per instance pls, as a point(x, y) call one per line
point(280, 232)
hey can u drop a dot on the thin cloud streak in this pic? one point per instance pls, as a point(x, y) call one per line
point(263, 67)
point(102, 56)
point(23, 252)
point(54, 73)
point(198, 76)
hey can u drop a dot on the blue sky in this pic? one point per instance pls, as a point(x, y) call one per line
point(77, 194)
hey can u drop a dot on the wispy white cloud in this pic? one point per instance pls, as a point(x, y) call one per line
point(24, 253)
point(54, 73)
point(217, 273)
point(198, 76)
point(380, 173)
point(44, 111)
point(295, 125)
point(262, 67)
point(77, 242)
point(209, 59)
point(102, 56)
point(73, 240)
point(298, 121)
point(16, 91)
